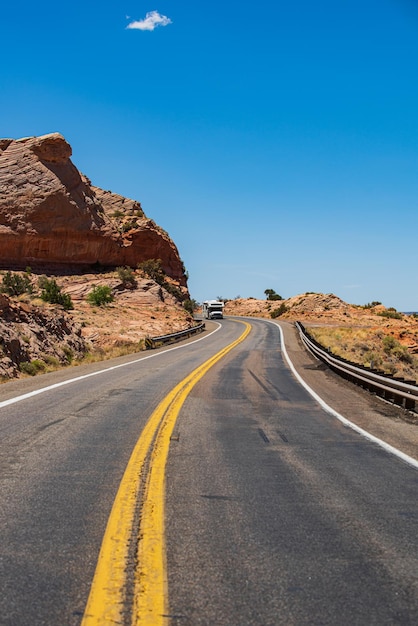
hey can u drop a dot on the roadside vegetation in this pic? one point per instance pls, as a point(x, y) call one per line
point(368, 347)
point(154, 270)
point(100, 295)
point(51, 292)
point(16, 284)
point(105, 323)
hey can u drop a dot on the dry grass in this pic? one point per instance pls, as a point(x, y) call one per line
point(368, 347)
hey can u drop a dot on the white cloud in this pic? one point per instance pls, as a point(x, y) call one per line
point(151, 21)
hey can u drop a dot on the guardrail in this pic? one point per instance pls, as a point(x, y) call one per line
point(396, 390)
point(154, 342)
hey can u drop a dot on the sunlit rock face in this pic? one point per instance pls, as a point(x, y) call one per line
point(53, 218)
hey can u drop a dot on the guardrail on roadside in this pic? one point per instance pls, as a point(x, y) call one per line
point(154, 342)
point(396, 390)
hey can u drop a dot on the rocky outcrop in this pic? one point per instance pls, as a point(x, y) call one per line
point(53, 219)
point(31, 336)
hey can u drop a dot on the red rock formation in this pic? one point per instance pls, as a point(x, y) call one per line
point(52, 218)
point(28, 332)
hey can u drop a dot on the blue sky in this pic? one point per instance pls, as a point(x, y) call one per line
point(276, 142)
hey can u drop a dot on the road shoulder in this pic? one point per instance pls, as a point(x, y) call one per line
point(381, 419)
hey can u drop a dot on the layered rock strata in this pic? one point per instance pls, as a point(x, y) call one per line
point(53, 219)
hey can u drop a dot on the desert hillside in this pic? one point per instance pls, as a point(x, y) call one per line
point(372, 335)
point(38, 336)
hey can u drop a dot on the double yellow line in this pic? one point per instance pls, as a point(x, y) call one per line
point(107, 603)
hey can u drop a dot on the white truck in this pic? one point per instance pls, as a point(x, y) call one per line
point(213, 309)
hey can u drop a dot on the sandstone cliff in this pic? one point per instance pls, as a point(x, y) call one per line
point(53, 220)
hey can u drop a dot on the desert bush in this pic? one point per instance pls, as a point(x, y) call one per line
point(394, 348)
point(130, 225)
point(389, 368)
point(402, 354)
point(153, 269)
point(369, 348)
point(175, 291)
point(279, 311)
point(190, 306)
point(32, 367)
point(272, 295)
point(389, 343)
point(391, 313)
point(51, 360)
point(51, 292)
point(100, 295)
point(14, 284)
point(127, 276)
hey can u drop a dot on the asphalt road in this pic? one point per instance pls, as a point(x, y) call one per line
point(276, 513)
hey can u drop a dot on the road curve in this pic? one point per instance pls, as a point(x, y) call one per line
point(63, 454)
point(276, 513)
point(280, 514)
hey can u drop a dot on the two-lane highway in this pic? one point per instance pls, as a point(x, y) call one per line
point(62, 456)
point(278, 513)
point(275, 512)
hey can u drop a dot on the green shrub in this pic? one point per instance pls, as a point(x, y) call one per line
point(389, 343)
point(52, 293)
point(42, 281)
point(15, 284)
point(272, 295)
point(153, 269)
point(127, 276)
point(190, 306)
point(175, 291)
point(396, 349)
point(391, 313)
point(51, 360)
point(100, 295)
point(372, 359)
point(278, 312)
point(33, 367)
point(130, 225)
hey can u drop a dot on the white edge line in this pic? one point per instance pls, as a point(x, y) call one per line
point(107, 369)
point(386, 446)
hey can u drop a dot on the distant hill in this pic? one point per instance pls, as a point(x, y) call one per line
point(372, 335)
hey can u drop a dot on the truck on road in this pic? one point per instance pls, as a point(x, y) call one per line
point(213, 309)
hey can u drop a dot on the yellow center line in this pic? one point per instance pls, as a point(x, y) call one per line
point(106, 603)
